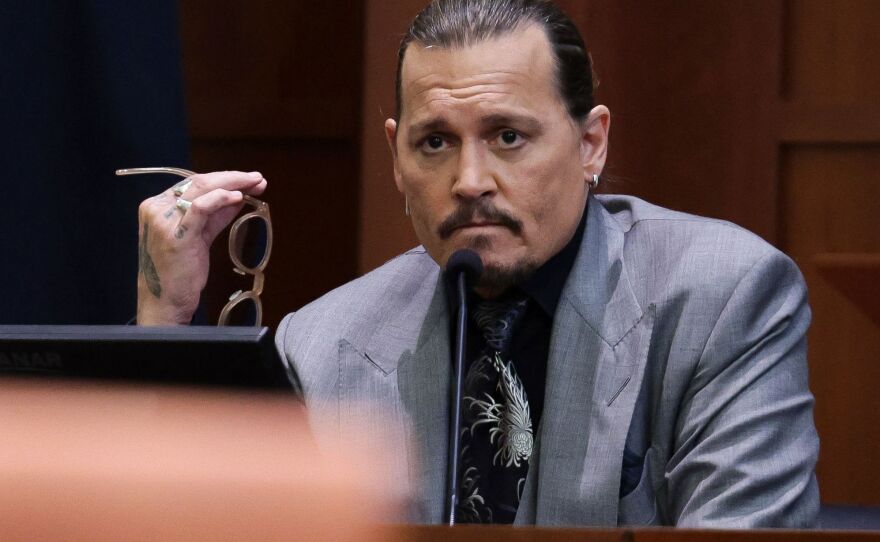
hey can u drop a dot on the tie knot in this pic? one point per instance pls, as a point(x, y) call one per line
point(497, 319)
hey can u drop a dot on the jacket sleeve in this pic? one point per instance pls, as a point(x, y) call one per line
point(746, 444)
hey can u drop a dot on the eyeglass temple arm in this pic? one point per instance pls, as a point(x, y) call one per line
point(177, 171)
point(141, 170)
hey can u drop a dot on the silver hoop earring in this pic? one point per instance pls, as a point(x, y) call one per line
point(406, 210)
point(595, 182)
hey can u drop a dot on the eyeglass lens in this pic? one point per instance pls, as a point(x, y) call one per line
point(251, 241)
point(243, 313)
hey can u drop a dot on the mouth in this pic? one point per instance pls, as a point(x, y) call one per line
point(479, 225)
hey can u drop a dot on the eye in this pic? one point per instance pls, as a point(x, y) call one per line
point(510, 139)
point(432, 144)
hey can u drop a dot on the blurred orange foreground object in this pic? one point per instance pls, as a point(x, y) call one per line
point(89, 462)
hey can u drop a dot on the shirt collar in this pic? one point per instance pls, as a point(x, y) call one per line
point(546, 284)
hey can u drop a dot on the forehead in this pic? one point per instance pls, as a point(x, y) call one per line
point(515, 70)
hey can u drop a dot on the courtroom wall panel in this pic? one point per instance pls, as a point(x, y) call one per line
point(833, 234)
point(830, 223)
point(384, 231)
point(275, 87)
point(692, 87)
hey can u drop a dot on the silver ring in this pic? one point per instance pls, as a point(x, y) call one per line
point(181, 187)
point(183, 204)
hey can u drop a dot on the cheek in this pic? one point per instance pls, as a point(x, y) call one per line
point(426, 199)
point(427, 204)
point(550, 188)
point(427, 188)
point(416, 177)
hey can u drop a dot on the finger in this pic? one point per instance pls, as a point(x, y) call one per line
point(223, 203)
point(219, 221)
point(205, 183)
point(257, 190)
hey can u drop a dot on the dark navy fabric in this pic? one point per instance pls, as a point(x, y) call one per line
point(87, 87)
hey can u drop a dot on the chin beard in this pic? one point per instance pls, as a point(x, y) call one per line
point(496, 279)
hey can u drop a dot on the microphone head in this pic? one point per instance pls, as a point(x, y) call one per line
point(465, 261)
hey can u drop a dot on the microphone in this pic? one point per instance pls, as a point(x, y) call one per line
point(465, 267)
point(465, 261)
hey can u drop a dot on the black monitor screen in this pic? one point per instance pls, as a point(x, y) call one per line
point(211, 356)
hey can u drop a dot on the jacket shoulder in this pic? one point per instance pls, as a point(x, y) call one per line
point(356, 313)
point(659, 237)
point(678, 259)
point(390, 285)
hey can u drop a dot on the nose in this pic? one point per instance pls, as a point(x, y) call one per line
point(473, 175)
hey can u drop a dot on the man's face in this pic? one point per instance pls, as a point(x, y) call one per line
point(488, 156)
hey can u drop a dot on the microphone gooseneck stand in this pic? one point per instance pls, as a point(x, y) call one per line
point(465, 267)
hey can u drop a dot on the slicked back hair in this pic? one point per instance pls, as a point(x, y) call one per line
point(462, 23)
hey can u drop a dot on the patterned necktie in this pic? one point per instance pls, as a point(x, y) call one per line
point(497, 435)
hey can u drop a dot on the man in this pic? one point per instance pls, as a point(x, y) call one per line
point(629, 365)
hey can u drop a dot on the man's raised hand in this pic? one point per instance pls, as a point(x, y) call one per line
point(175, 240)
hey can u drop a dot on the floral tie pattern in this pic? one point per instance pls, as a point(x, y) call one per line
point(497, 434)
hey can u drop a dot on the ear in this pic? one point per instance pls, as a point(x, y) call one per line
point(594, 140)
point(391, 136)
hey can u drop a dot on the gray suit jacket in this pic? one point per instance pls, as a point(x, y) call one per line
point(679, 338)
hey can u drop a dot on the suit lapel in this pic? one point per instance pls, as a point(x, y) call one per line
point(423, 378)
point(594, 371)
point(398, 367)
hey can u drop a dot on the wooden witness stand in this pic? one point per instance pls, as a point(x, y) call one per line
point(538, 534)
point(91, 461)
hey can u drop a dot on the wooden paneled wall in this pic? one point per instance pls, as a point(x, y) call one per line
point(276, 87)
point(691, 86)
point(829, 209)
point(384, 231)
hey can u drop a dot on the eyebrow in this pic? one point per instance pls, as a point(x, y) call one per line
point(494, 120)
point(526, 122)
point(438, 124)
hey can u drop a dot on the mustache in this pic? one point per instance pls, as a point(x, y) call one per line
point(483, 210)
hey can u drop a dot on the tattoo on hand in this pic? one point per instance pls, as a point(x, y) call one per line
point(147, 267)
point(181, 230)
point(170, 212)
